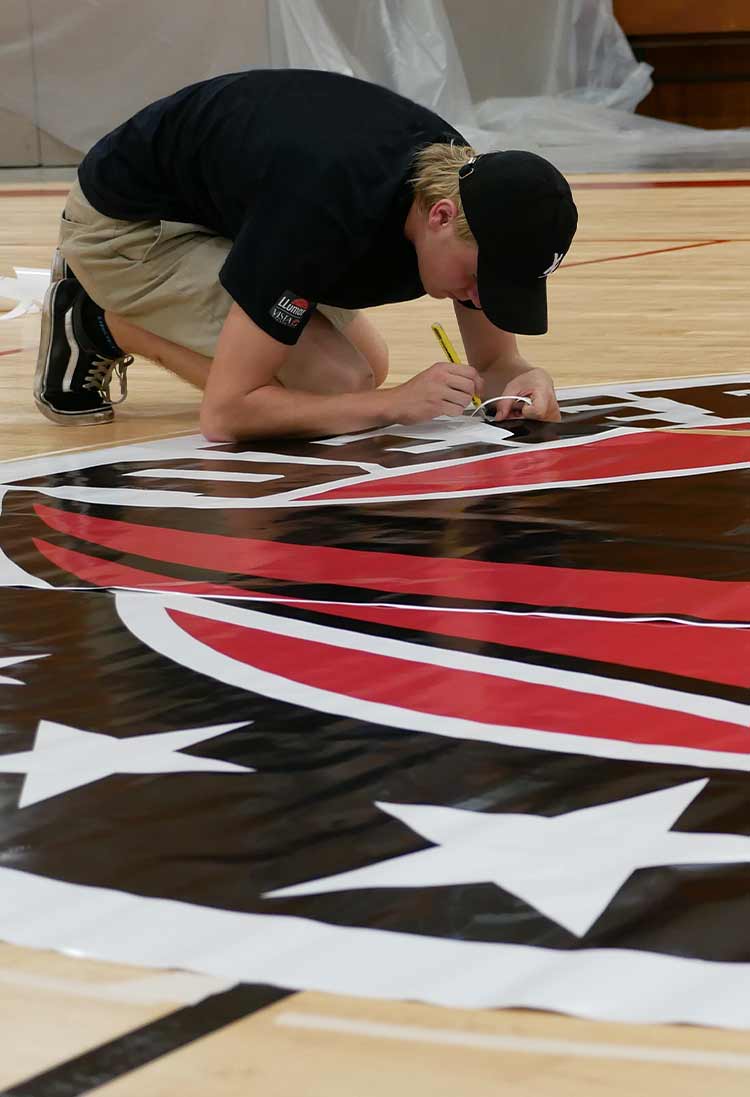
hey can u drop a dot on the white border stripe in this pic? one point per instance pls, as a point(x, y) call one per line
point(604, 388)
point(134, 608)
point(607, 984)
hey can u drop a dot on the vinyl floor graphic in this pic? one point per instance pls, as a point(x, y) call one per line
point(453, 712)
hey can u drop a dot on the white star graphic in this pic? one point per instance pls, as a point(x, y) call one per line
point(569, 867)
point(64, 758)
point(11, 661)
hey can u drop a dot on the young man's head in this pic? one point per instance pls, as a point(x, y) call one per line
point(489, 229)
point(445, 246)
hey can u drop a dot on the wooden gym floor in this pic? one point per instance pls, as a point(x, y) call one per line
point(656, 285)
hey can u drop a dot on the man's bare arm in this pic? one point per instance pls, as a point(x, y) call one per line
point(242, 399)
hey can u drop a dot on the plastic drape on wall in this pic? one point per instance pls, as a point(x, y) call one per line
point(557, 76)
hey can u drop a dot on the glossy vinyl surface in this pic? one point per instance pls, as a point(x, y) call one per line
point(266, 693)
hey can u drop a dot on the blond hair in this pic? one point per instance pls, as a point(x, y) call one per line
point(435, 177)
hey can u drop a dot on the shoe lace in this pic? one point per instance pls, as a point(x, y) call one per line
point(100, 375)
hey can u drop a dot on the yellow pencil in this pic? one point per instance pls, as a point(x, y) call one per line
point(450, 353)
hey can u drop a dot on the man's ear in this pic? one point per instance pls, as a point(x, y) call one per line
point(443, 213)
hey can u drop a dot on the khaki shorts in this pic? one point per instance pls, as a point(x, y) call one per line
point(161, 275)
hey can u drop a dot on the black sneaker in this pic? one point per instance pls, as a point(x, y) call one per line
point(72, 379)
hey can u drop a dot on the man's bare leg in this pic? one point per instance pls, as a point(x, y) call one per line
point(187, 364)
point(363, 335)
point(324, 360)
point(327, 361)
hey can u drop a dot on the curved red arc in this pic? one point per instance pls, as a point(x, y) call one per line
point(532, 584)
point(411, 684)
point(676, 649)
point(630, 455)
point(458, 694)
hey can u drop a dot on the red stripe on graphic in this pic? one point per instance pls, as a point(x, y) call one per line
point(716, 655)
point(718, 427)
point(634, 455)
point(107, 573)
point(532, 584)
point(16, 350)
point(444, 692)
point(712, 655)
point(436, 690)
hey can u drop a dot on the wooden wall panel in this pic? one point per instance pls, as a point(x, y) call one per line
point(698, 80)
point(700, 54)
point(637, 17)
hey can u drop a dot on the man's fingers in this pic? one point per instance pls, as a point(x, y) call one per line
point(540, 409)
point(464, 379)
point(456, 401)
point(463, 389)
point(534, 385)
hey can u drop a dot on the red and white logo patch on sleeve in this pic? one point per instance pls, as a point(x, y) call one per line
point(290, 309)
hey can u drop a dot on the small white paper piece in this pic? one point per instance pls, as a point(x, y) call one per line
point(27, 289)
point(495, 399)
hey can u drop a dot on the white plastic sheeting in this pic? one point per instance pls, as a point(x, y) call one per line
point(556, 76)
point(554, 48)
point(26, 290)
point(408, 46)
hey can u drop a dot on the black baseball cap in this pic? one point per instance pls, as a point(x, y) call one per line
point(523, 217)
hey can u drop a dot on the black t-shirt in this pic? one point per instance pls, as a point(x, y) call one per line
point(306, 172)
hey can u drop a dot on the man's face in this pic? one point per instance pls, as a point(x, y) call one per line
point(447, 265)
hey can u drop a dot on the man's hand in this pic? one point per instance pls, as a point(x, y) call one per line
point(443, 389)
point(537, 385)
point(504, 371)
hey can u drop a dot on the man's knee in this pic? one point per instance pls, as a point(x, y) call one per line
point(354, 374)
point(369, 344)
point(378, 362)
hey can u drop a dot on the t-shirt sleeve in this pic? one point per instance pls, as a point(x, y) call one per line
point(283, 257)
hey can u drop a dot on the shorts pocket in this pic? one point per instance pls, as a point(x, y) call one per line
point(137, 240)
point(164, 237)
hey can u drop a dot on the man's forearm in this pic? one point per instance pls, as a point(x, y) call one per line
point(498, 373)
point(272, 411)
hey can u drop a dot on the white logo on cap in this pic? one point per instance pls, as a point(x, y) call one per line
point(559, 256)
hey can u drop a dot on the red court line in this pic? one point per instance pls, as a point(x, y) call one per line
point(655, 239)
point(652, 251)
point(632, 185)
point(17, 350)
point(645, 184)
point(35, 193)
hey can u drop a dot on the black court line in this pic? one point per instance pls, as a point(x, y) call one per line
point(134, 1049)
